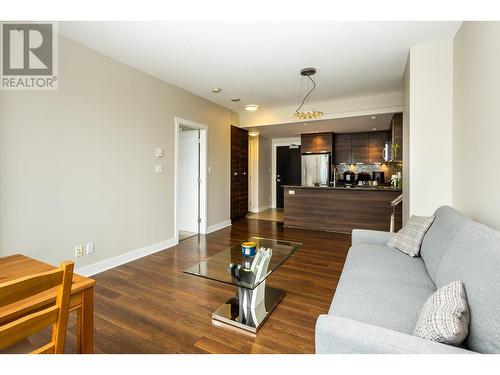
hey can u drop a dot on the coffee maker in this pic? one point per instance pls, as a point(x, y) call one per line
point(378, 176)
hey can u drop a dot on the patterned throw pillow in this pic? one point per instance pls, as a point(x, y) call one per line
point(445, 316)
point(410, 237)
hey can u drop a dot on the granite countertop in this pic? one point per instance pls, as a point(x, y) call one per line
point(368, 188)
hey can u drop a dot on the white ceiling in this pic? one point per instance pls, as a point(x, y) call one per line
point(339, 125)
point(260, 61)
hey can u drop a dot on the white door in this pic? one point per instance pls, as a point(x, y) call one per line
point(188, 188)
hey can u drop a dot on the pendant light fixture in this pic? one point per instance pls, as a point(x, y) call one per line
point(303, 115)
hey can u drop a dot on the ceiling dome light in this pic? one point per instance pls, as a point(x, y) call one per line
point(302, 115)
point(216, 90)
point(235, 99)
point(251, 107)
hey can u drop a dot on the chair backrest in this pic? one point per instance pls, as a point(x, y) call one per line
point(22, 317)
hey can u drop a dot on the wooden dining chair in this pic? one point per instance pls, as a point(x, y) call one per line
point(20, 317)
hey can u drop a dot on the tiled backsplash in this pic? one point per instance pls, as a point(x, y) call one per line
point(388, 169)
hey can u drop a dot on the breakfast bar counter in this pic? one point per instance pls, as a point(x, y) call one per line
point(340, 209)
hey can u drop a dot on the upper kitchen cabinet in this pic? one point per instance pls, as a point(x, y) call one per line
point(324, 142)
point(376, 143)
point(366, 148)
point(342, 147)
point(317, 143)
point(397, 135)
point(359, 148)
point(307, 143)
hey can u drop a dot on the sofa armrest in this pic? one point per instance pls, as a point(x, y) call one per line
point(337, 335)
point(372, 237)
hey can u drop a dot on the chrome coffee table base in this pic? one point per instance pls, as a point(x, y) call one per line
point(250, 308)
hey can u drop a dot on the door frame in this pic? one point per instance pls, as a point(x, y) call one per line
point(203, 212)
point(276, 143)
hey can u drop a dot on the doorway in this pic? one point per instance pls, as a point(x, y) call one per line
point(190, 187)
point(288, 170)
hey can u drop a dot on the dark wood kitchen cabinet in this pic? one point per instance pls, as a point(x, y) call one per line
point(366, 148)
point(342, 147)
point(324, 142)
point(397, 134)
point(239, 172)
point(376, 144)
point(316, 143)
point(359, 148)
point(307, 143)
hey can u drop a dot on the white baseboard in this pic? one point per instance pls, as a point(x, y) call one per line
point(118, 260)
point(260, 209)
point(218, 226)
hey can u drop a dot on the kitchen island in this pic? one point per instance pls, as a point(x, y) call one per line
point(340, 209)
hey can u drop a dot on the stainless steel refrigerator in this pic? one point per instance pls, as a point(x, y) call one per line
point(315, 169)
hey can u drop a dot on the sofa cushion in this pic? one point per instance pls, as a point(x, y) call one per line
point(445, 315)
point(447, 222)
point(473, 257)
point(386, 263)
point(381, 302)
point(409, 238)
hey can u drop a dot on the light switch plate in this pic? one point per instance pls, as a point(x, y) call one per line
point(159, 169)
point(291, 192)
point(159, 152)
point(89, 248)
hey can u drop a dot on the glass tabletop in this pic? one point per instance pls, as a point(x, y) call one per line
point(232, 267)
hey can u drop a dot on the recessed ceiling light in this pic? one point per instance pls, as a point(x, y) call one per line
point(235, 99)
point(305, 123)
point(374, 128)
point(251, 107)
point(216, 90)
point(253, 134)
point(374, 117)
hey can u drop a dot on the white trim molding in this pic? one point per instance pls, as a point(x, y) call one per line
point(118, 260)
point(218, 226)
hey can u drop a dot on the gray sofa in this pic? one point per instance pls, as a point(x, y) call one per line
point(381, 290)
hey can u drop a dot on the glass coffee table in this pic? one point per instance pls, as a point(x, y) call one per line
point(254, 301)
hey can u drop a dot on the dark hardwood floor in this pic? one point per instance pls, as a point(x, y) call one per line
point(151, 306)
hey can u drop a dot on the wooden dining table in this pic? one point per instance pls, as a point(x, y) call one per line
point(81, 300)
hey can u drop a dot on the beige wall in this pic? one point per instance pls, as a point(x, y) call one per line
point(428, 126)
point(78, 164)
point(476, 129)
point(264, 173)
point(253, 174)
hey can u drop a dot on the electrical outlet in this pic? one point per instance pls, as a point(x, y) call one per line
point(89, 248)
point(78, 251)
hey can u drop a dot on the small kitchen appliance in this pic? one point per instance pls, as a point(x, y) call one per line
point(378, 176)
